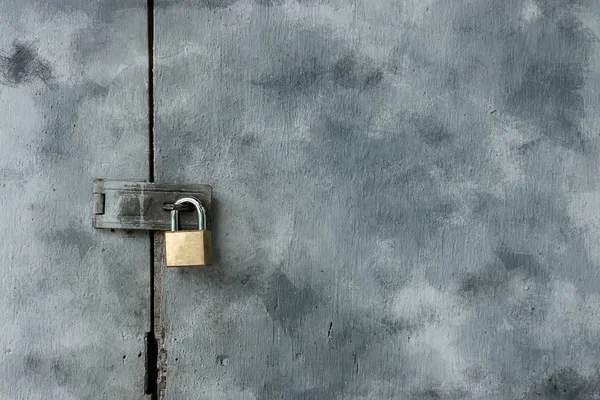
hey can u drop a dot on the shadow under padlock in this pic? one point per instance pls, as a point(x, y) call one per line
point(190, 247)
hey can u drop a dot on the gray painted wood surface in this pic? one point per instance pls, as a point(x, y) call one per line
point(406, 198)
point(74, 302)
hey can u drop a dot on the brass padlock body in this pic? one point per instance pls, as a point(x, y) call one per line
point(188, 248)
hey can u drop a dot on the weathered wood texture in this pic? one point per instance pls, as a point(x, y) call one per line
point(406, 198)
point(74, 302)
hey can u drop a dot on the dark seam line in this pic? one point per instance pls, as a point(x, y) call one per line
point(151, 386)
point(151, 90)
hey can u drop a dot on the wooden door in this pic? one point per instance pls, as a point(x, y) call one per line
point(74, 302)
point(406, 198)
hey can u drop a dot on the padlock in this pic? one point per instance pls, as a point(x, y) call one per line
point(188, 248)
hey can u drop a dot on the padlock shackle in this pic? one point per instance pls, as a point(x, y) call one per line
point(199, 209)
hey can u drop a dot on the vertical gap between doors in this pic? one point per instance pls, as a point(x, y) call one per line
point(152, 338)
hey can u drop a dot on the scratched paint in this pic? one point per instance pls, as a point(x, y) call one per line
point(405, 196)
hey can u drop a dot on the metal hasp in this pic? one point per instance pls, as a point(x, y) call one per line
point(143, 205)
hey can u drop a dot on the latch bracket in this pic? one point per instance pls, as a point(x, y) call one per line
point(141, 205)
